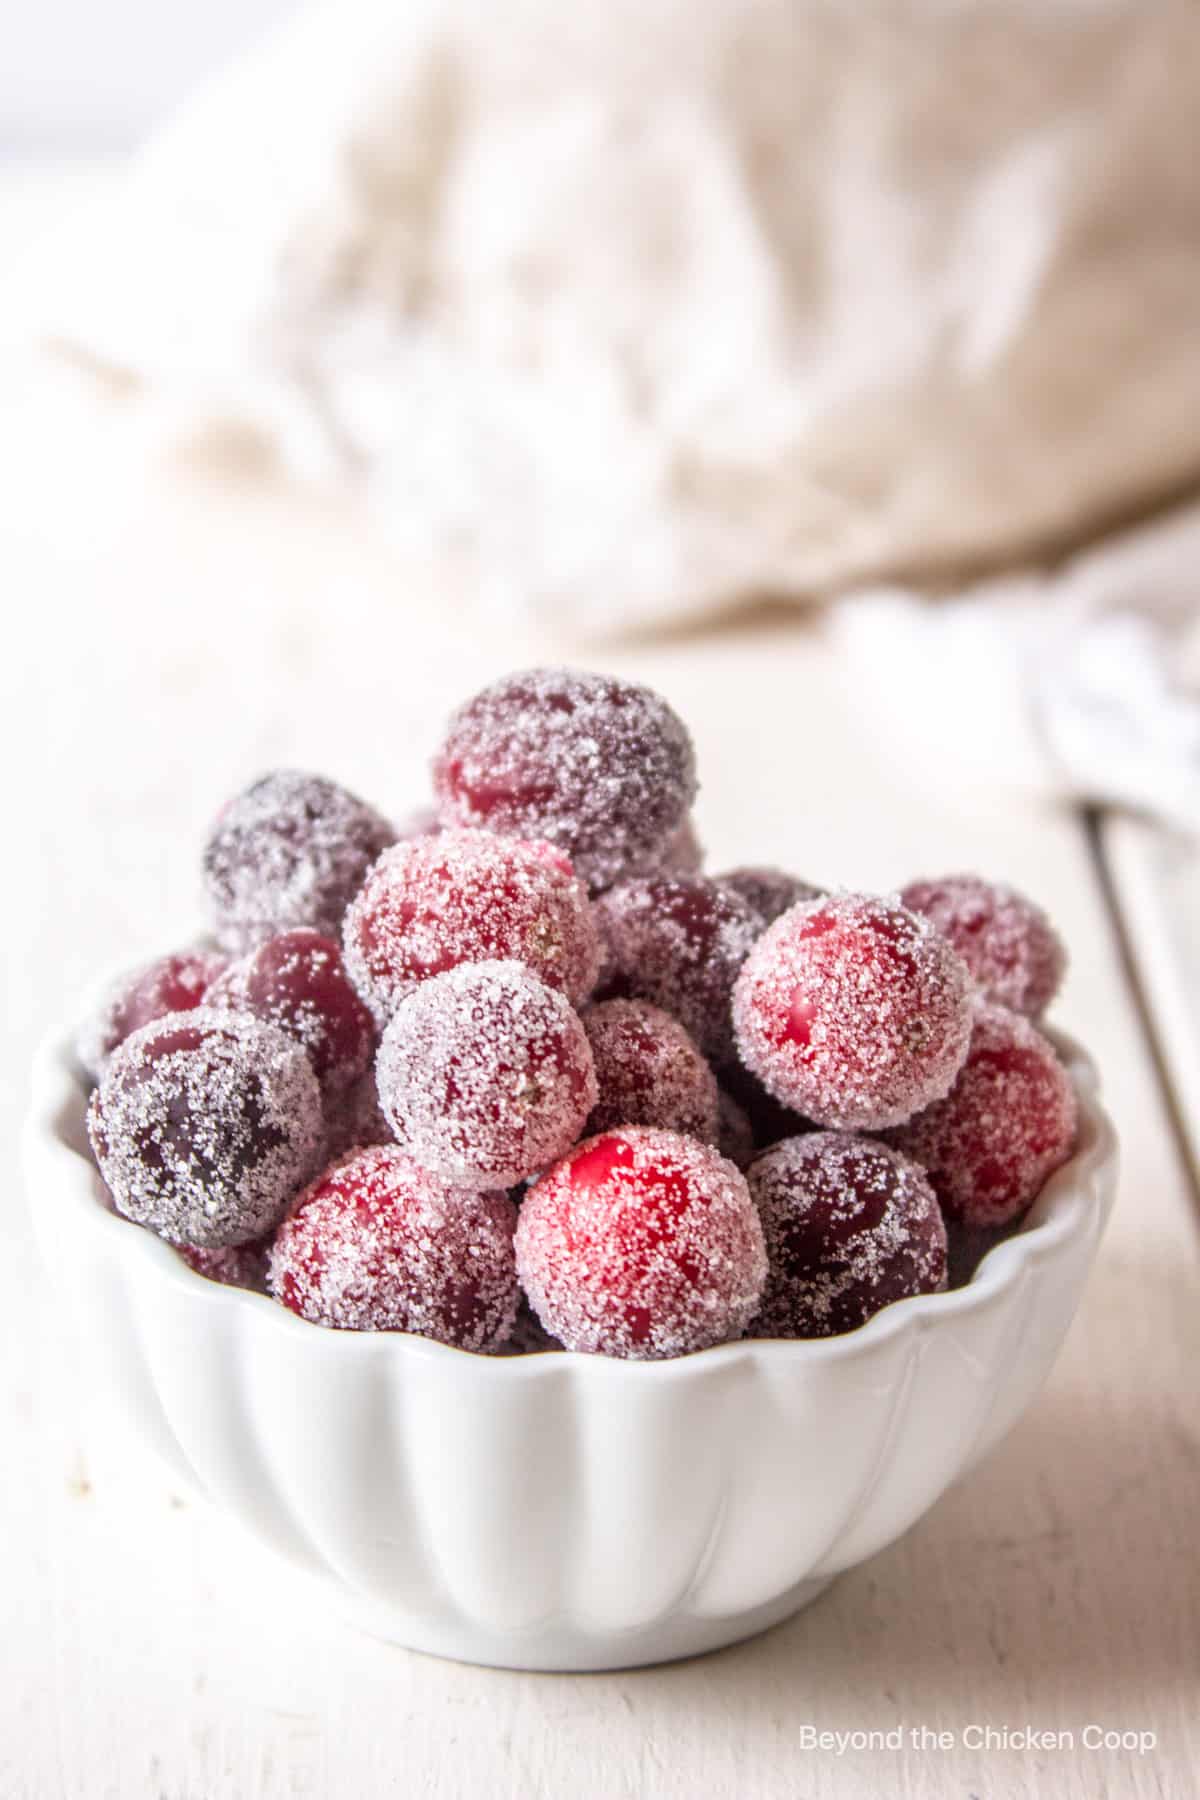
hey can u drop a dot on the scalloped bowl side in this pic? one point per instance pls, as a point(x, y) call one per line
point(560, 1511)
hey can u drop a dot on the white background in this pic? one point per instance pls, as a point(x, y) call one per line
point(83, 74)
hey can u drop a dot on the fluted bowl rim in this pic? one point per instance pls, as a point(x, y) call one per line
point(1064, 1209)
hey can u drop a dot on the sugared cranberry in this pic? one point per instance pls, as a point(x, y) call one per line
point(170, 984)
point(291, 850)
point(1007, 1123)
point(641, 1243)
point(649, 1072)
point(296, 981)
point(205, 1126)
point(680, 945)
point(235, 1265)
point(854, 1011)
point(769, 892)
point(468, 897)
point(850, 1226)
point(378, 1244)
point(735, 1134)
point(485, 1074)
point(1007, 942)
point(601, 767)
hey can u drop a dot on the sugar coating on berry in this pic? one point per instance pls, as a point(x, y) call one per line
point(768, 891)
point(290, 850)
point(854, 1011)
point(601, 767)
point(643, 1244)
point(296, 981)
point(378, 1244)
point(206, 1125)
point(354, 1119)
point(679, 944)
point(468, 897)
point(234, 1265)
point(174, 983)
point(1007, 942)
point(649, 1072)
point(1007, 1123)
point(735, 1133)
point(850, 1226)
point(485, 1074)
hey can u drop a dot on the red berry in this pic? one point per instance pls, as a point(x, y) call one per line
point(769, 892)
point(1007, 942)
point(378, 1244)
point(236, 1265)
point(170, 984)
point(649, 1072)
point(854, 1012)
point(850, 1226)
point(641, 1243)
point(485, 1074)
point(205, 1126)
point(679, 944)
point(296, 981)
point(290, 850)
point(1007, 1123)
point(601, 767)
point(468, 897)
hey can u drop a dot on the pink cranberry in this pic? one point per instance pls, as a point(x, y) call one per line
point(680, 945)
point(768, 891)
point(378, 1244)
point(850, 1226)
point(205, 1126)
point(170, 984)
point(601, 767)
point(649, 1072)
point(854, 1012)
point(641, 1243)
point(1007, 1123)
point(468, 897)
point(485, 1074)
point(291, 850)
point(1007, 942)
point(296, 981)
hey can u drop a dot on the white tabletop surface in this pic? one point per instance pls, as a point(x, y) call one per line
point(165, 640)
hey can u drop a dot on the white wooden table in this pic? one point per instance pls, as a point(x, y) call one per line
point(164, 641)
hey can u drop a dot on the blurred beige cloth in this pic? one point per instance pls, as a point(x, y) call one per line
point(635, 309)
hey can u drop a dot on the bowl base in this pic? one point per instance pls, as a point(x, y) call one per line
point(563, 1648)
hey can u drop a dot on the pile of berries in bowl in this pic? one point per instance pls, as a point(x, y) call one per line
point(514, 1076)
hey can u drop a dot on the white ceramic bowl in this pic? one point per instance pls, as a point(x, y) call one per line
point(560, 1511)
